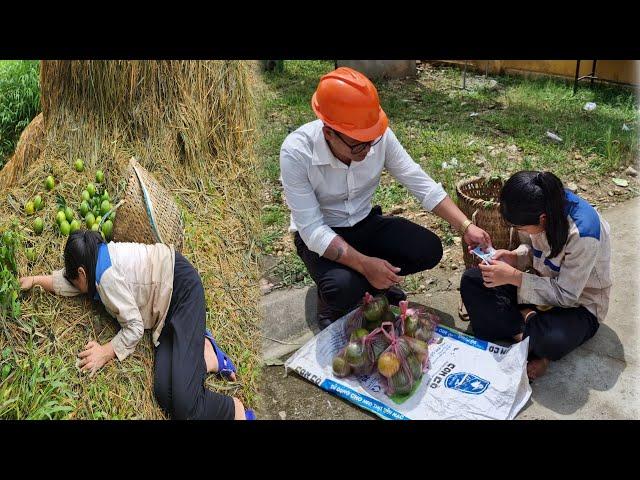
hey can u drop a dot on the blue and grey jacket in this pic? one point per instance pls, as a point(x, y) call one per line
point(134, 282)
point(580, 274)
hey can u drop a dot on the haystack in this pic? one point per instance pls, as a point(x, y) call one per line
point(189, 123)
point(28, 150)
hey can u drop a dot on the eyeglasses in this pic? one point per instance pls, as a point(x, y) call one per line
point(358, 147)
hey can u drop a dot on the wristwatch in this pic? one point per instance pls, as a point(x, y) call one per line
point(465, 225)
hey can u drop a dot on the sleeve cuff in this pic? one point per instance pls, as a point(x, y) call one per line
point(121, 351)
point(320, 239)
point(431, 201)
point(61, 286)
point(523, 253)
point(524, 292)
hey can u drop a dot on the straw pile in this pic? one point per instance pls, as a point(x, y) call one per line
point(191, 124)
point(28, 150)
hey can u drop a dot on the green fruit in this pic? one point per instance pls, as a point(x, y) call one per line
point(112, 217)
point(411, 324)
point(418, 347)
point(107, 229)
point(340, 367)
point(90, 219)
point(400, 383)
point(105, 196)
point(29, 208)
point(98, 220)
point(79, 165)
point(38, 225)
point(6, 370)
point(75, 225)
point(85, 196)
point(84, 208)
point(99, 176)
point(415, 366)
point(354, 354)
point(376, 309)
point(105, 206)
point(379, 345)
point(37, 202)
point(68, 213)
point(94, 227)
point(60, 217)
point(91, 188)
point(49, 183)
point(30, 253)
point(65, 228)
point(358, 334)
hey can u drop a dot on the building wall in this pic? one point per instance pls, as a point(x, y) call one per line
point(382, 68)
point(618, 71)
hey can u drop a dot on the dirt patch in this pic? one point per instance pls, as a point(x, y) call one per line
point(291, 397)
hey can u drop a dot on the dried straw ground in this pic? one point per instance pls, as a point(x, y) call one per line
point(191, 124)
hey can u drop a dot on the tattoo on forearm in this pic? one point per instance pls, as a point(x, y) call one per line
point(334, 253)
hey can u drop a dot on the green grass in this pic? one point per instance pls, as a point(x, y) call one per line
point(430, 115)
point(34, 385)
point(19, 101)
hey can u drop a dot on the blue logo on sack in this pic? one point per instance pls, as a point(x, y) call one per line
point(466, 383)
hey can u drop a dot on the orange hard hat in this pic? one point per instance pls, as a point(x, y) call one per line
point(348, 102)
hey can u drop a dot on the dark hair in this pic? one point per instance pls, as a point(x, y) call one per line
point(81, 250)
point(529, 194)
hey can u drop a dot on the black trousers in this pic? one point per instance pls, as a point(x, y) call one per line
point(495, 315)
point(402, 243)
point(180, 369)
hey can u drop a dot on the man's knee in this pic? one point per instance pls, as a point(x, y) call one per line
point(430, 255)
point(341, 288)
point(185, 404)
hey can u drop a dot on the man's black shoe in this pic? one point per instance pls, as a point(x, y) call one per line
point(325, 318)
point(395, 295)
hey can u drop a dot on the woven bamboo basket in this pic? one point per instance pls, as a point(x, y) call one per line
point(147, 213)
point(478, 199)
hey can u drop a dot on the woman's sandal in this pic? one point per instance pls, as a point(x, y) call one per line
point(225, 365)
point(462, 312)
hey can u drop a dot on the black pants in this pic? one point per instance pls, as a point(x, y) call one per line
point(402, 243)
point(495, 315)
point(180, 368)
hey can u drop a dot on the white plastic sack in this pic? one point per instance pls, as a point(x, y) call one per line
point(467, 379)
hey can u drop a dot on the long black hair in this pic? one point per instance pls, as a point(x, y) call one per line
point(529, 194)
point(81, 250)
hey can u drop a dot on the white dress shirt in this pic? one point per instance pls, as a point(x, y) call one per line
point(322, 192)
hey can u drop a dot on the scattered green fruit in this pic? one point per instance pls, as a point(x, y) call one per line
point(65, 228)
point(38, 225)
point(68, 213)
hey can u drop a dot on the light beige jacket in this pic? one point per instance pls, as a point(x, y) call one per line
point(136, 289)
point(580, 274)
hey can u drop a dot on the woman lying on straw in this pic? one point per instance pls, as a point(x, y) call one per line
point(153, 287)
point(557, 307)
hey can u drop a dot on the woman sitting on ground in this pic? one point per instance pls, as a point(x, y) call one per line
point(559, 306)
point(149, 287)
